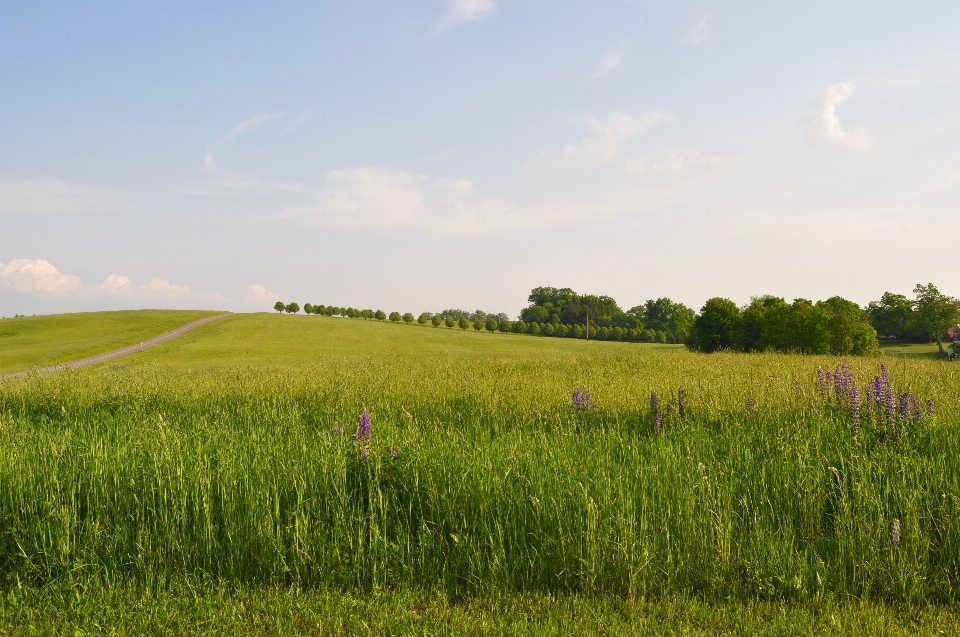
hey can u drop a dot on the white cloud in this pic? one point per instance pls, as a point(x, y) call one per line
point(679, 163)
point(38, 276)
point(825, 124)
point(608, 134)
point(697, 35)
point(47, 195)
point(463, 11)
point(611, 61)
point(260, 296)
point(119, 285)
point(231, 180)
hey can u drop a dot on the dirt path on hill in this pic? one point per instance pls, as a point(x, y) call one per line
point(117, 353)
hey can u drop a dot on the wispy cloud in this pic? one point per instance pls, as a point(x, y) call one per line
point(697, 36)
point(611, 61)
point(39, 277)
point(232, 180)
point(677, 162)
point(825, 123)
point(259, 296)
point(51, 195)
point(607, 134)
point(461, 12)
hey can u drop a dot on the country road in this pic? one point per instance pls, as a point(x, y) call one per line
point(117, 353)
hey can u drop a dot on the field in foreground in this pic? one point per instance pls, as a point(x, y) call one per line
point(29, 342)
point(480, 482)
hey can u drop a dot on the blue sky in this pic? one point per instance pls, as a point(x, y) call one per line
point(422, 155)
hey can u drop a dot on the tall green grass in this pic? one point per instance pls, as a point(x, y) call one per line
point(238, 475)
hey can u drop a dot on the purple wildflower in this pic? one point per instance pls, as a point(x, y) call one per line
point(364, 454)
point(837, 381)
point(394, 452)
point(917, 411)
point(681, 401)
point(669, 409)
point(363, 428)
point(654, 403)
point(930, 407)
point(884, 373)
point(895, 532)
point(751, 406)
point(855, 410)
point(581, 399)
point(905, 406)
point(657, 423)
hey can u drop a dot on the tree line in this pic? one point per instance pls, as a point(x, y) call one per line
point(768, 323)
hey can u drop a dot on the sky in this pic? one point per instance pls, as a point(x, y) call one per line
point(418, 156)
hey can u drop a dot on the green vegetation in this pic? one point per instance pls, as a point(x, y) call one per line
point(40, 341)
point(216, 477)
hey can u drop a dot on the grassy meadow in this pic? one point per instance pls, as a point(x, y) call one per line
point(28, 342)
point(217, 474)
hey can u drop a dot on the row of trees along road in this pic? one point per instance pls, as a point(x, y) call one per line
point(835, 326)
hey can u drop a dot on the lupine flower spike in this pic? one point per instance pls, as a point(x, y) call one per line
point(654, 403)
point(657, 423)
point(930, 407)
point(895, 532)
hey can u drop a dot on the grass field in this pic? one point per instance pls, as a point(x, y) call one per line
point(38, 341)
point(213, 483)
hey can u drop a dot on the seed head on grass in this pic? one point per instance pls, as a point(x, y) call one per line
point(751, 406)
point(895, 532)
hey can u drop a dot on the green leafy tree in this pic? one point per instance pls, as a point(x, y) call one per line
point(423, 318)
point(716, 327)
point(893, 315)
point(463, 323)
point(478, 324)
point(449, 321)
point(847, 327)
point(659, 336)
point(292, 308)
point(752, 321)
point(279, 306)
point(379, 315)
point(547, 329)
point(533, 328)
point(408, 318)
point(308, 309)
point(395, 317)
point(936, 312)
point(561, 330)
point(519, 327)
point(491, 324)
point(504, 326)
point(436, 320)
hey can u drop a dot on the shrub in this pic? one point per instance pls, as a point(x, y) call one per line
point(436, 320)
point(408, 318)
point(395, 317)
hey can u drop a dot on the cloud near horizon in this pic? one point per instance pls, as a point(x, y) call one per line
point(260, 296)
point(41, 278)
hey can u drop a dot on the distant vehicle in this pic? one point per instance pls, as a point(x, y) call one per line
point(888, 337)
point(954, 351)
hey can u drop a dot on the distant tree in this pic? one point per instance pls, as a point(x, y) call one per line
point(716, 327)
point(292, 308)
point(535, 314)
point(319, 309)
point(936, 312)
point(533, 328)
point(619, 334)
point(561, 330)
point(279, 306)
point(753, 322)
point(408, 318)
point(395, 317)
point(436, 320)
point(547, 329)
point(491, 324)
point(648, 335)
point(367, 314)
point(576, 331)
point(847, 327)
point(478, 325)
point(499, 317)
point(449, 321)
point(380, 315)
point(308, 309)
point(504, 326)
point(893, 315)
point(479, 315)
point(423, 318)
point(519, 327)
point(463, 323)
